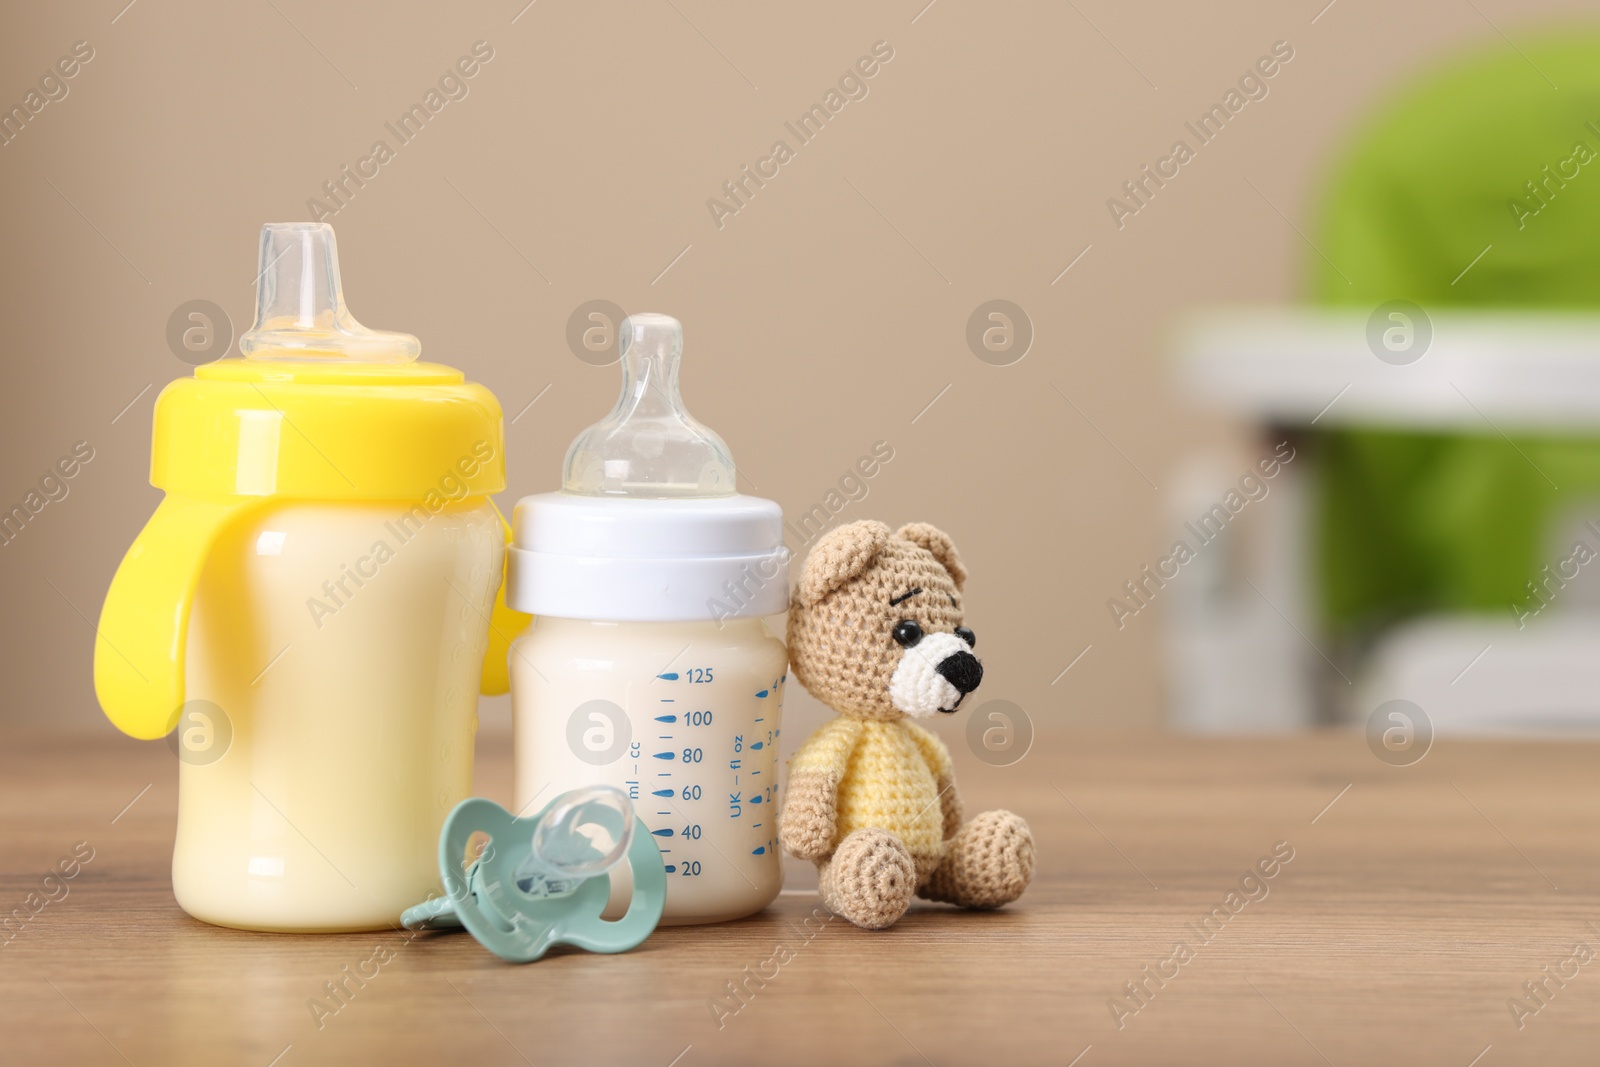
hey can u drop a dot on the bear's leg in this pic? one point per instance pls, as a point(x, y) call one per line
point(988, 863)
point(869, 879)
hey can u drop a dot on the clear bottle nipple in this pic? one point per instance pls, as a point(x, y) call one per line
point(586, 833)
point(300, 312)
point(649, 445)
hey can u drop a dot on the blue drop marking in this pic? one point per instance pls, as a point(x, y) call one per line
point(757, 746)
point(662, 755)
point(670, 676)
point(671, 867)
point(762, 851)
point(661, 792)
point(763, 693)
point(666, 718)
point(663, 833)
point(753, 800)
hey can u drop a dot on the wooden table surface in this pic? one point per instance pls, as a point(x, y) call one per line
point(1417, 903)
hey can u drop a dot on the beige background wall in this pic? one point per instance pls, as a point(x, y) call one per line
point(822, 318)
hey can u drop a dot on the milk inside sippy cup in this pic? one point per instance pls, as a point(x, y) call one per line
point(648, 665)
point(308, 612)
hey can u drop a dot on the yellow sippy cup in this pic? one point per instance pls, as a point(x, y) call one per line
point(312, 608)
point(648, 666)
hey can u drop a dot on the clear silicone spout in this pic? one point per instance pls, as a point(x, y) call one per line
point(300, 312)
point(649, 446)
point(586, 833)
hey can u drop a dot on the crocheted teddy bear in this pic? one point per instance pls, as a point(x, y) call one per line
point(875, 632)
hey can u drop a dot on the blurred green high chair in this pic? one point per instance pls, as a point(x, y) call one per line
point(1445, 397)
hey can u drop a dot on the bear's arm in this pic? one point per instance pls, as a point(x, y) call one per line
point(937, 757)
point(809, 820)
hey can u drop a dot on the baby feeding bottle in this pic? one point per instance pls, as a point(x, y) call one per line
point(648, 665)
point(309, 609)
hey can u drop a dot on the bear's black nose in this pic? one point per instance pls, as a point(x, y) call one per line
point(962, 670)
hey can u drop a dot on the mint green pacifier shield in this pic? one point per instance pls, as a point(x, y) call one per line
point(531, 887)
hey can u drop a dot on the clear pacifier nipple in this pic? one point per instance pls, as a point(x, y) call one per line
point(586, 833)
point(300, 312)
point(649, 446)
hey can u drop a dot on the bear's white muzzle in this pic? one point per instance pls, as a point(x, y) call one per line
point(917, 688)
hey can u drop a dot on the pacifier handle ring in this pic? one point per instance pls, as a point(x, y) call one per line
point(435, 913)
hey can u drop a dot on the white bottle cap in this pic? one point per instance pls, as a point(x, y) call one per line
point(647, 527)
point(637, 560)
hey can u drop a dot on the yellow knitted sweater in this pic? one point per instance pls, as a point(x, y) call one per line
point(887, 774)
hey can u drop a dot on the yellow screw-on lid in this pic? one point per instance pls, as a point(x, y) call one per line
point(320, 408)
point(358, 431)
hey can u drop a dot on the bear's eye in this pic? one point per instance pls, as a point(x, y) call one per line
point(907, 633)
point(968, 636)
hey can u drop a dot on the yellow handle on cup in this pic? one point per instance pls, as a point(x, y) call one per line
point(504, 626)
point(144, 626)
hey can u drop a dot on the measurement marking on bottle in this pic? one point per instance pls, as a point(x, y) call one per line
point(673, 718)
point(670, 676)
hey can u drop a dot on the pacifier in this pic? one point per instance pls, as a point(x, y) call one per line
point(522, 885)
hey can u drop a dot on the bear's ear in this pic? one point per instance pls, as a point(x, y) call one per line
point(937, 542)
point(841, 554)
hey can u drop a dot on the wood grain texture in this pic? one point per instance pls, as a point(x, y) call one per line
point(1413, 909)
